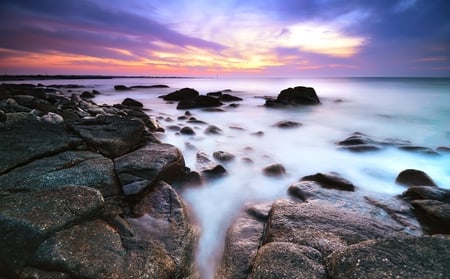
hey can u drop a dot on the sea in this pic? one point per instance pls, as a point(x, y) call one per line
point(410, 109)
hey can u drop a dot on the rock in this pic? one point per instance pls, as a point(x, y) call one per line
point(258, 134)
point(121, 87)
point(229, 98)
point(129, 102)
point(412, 177)
point(413, 257)
point(242, 241)
point(87, 95)
point(52, 118)
point(274, 170)
point(427, 193)
point(28, 218)
point(89, 250)
point(81, 168)
point(151, 163)
point(187, 131)
point(3, 116)
point(358, 142)
point(285, 124)
point(299, 95)
point(434, 215)
point(287, 260)
point(149, 86)
point(199, 102)
point(223, 156)
point(164, 219)
point(208, 168)
point(443, 149)
point(213, 130)
point(180, 95)
point(330, 181)
point(31, 140)
point(112, 136)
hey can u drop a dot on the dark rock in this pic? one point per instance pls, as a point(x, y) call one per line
point(28, 218)
point(199, 102)
point(207, 167)
point(175, 128)
point(180, 95)
point(285, 124)
point(274, 170)
point(229, 98)
point(31, 140)
point(95, 92)
point(444, 149)
point(434, 215)
point(112, 136)
point(187, 131)
point(87, 95)
point(427, 193)
point(413, 257)
point(89, 250)
point(196, 121)
point(129, 102)
point(258, 134)
point(164, 219)
point(66, 168)
point(121, 87)
point(359, 142)
point(213, 130)
point(149, 86)
point(223, 156)
point(217, 94)
point(330, 181)
point(2, 116)
point(151, 163)
point(299, 95)
point(136, 187)
point(418, 149)
point(412, 177)
point(287, 260)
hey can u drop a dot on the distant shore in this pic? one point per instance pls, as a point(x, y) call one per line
point(74, 77)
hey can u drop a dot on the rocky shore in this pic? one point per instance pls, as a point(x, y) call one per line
point(89, 191)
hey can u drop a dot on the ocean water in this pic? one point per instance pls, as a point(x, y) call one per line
point(413, 109)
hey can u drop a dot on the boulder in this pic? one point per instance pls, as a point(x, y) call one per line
point(83, 168)
point(274, 170)
point(163, 218)
point(187, 131)
point(28, 218)
point(213, 130)
point(223, 156)
point(207, 167)
point(180, 95)
point(330, 181)
point(434, 215)
point(427, 193)
point(112, 136)
point(287, 260)
point(285, 124)
point(229, 98)
point(31, 140)
point(412, 177)
point(121, 87)
point(199, 102)
point(149, 164)
point(149, 86)
point(87, 95)
point(129, 102)
point(358, 142)
point(299, 95)
point(392, 257)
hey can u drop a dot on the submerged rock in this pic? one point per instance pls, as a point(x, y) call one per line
point(274, 170)
point(207, 167)
point(286, 124)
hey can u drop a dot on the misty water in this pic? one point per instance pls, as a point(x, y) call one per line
point(417, 110)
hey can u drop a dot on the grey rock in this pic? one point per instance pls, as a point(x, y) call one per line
point(274, 170)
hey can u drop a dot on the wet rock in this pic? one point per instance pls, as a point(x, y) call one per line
point(180, 95)
point(163, 219)
point(414, 257)
point(299, 95)
point(443, 149)
point(129, 102)
point(2, 116)
point(285, 124)
point(187, 131)
point(31, 140)
point(213, 130)
point(199, 102)
point(358, 142)
point(110, 135)
point(330, 181)
point(52, 118)
point(28, 218)
point(65, 168)
point(149, 86)
point(196, 121)
point(87, 95)
point(418, 149)
point(427, 193)
point(435, 215)
point(274, 170)
point(229, 98)
point(121, 87)
point(287, 260)
point(151, 163)
point(223, 156)
point(207, 167)
point(412, 177)
point(258, 134)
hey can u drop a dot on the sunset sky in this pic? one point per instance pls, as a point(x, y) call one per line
point(277, 38)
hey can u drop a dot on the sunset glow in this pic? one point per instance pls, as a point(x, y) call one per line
point(274, 38)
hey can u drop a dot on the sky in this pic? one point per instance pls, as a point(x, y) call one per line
point(267, 38)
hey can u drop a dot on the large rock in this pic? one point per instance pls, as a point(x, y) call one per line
point(331, 181)
point(414, 257)
point(110, 135)
point(199, 102)
point(299, 95)
point(427, 193)
point(151, 163)
point(412, 177)
point(182, 94)
point(163, 218)
point(435, 215)
point(28, 218)
point(83, 168)
point(27, 140)
point(287, 260)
